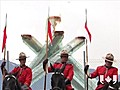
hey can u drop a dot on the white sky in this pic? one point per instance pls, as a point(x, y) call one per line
point(29, 17)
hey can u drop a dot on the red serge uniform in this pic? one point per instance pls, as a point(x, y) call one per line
point(102, 70)
point(68, 72)
point(24, 75)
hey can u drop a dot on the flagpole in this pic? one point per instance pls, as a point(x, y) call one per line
point(4, 45)
point(5, 37)
point(86, 53)
point(4, 53)
point(87, 64)
point(46, 67)
point(84, 58)
point(3, 75)
point(8, 61)
point(89, 34)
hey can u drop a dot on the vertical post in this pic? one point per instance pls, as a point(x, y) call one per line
point(4, 53)
point(8, 61)
point(84, 73)
point(87, 47)
point(3, 75)
point(86, 64)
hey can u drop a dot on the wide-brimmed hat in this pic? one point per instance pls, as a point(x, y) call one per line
point(22, 55)
point(109, 57)
point(64, 53)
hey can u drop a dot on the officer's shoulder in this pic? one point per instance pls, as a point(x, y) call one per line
point(57, 62)
point(28, 67)
point(102, 66)
point(69, 63)
point(114, 67)
point(16, 66)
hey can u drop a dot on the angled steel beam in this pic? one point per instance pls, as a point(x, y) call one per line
point(31, 42)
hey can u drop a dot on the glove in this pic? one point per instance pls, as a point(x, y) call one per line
point(44, 64)
point(53, 69)
point(24, 87)
point(86, 69)
point(112, 82)
point(3, 65)
point(67, 81)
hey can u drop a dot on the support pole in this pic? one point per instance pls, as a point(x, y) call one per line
point(86, 63)
point(8, 61)
point(84, 73)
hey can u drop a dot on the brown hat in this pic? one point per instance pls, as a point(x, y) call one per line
point(109, 57)
point(22, 55)
point(64, 53)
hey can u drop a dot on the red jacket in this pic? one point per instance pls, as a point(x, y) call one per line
point(105, 72)
point(68, 72)
point(24, 75)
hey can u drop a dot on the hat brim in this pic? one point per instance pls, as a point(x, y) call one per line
point(22, 58)
point(108, 59)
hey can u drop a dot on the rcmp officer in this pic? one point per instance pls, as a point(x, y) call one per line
point(68, 71)
point(22, 72)
point(106, 73)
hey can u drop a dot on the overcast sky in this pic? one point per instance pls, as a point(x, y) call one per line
point(29, 17)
